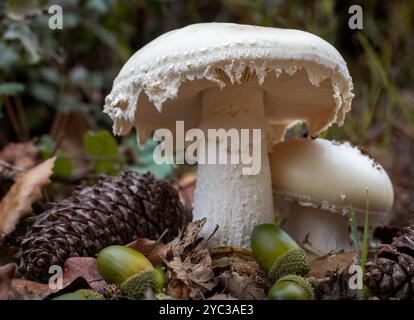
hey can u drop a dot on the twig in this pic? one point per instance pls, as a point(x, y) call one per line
point(55, 126)
point(13, 118)
point(308, 247)
point(9, 166)
point(22, 118)
point(161, 236)
point(61, 131)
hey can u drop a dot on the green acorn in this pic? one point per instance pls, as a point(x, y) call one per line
point(117, 263)
point(82, 294)
point(136, 285)
point(277, 252)
point(291, 287)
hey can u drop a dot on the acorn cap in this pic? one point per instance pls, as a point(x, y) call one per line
point(304, 78)
point(295, 261)
point(136, 285)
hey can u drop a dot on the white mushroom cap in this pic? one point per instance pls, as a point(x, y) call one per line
point(303, 77)
point(330, 175)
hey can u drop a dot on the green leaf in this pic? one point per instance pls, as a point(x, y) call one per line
point(46, 143)
point(144, 160)
point(28, 40)
point(103, 149)
point(11, 88)
point(50, 74)
point(43, 92)
point(63, 165)
point(8, 56)
point(100, 6)
point(145, 153)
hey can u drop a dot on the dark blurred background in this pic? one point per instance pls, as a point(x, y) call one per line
point(53, 82)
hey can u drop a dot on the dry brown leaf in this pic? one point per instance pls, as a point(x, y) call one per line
point(239, 274)
point(25, 191)
point(240, 261)
point(190, 272)
point(84, 267)
point(6, 276)
point(78, 273)
point(330, 277)
point(339, 262)
point(22, 155)
point(22, 289)
point(241, 286)
point(154, 250)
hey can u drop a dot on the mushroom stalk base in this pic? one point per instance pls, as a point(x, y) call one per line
point(325, 231)
point(225, 194)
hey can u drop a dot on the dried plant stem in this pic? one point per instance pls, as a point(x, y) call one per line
point(22, 118)
point(11, 167)
point(13, 118)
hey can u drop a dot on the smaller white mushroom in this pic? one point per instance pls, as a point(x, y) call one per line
point(315, 181)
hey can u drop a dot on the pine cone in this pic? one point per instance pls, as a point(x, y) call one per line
point(117, 210)
point(391, 273)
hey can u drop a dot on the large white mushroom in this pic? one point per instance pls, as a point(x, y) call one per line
point(223, 75)
point(315, 181)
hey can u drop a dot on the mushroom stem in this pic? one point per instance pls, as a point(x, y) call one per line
point(325, 231)
point(229, 198)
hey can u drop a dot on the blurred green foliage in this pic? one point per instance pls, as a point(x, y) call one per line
point(63, 165)
point(103, 150)
point(144, 158)
point(46, 72)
